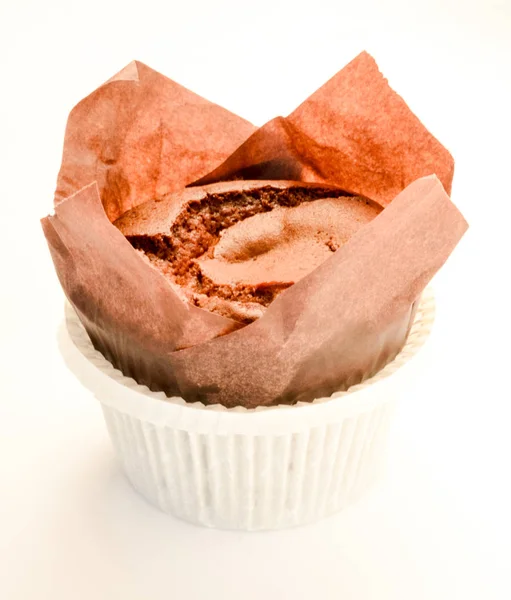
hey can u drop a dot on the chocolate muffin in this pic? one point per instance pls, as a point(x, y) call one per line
point(232, 247)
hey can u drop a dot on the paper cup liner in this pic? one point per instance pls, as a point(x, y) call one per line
point(263, 468)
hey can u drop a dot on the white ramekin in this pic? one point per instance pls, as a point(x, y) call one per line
point(250, 469)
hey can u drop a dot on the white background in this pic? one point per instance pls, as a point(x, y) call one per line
point(439, 527)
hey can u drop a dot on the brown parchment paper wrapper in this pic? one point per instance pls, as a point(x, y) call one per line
point(140, 136)
point(332, 329)
point(355, 132)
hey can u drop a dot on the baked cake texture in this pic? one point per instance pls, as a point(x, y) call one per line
point(232, 247)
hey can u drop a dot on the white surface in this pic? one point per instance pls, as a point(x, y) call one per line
point(439, 527)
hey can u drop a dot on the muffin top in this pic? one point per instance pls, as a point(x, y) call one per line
point(232, 247)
